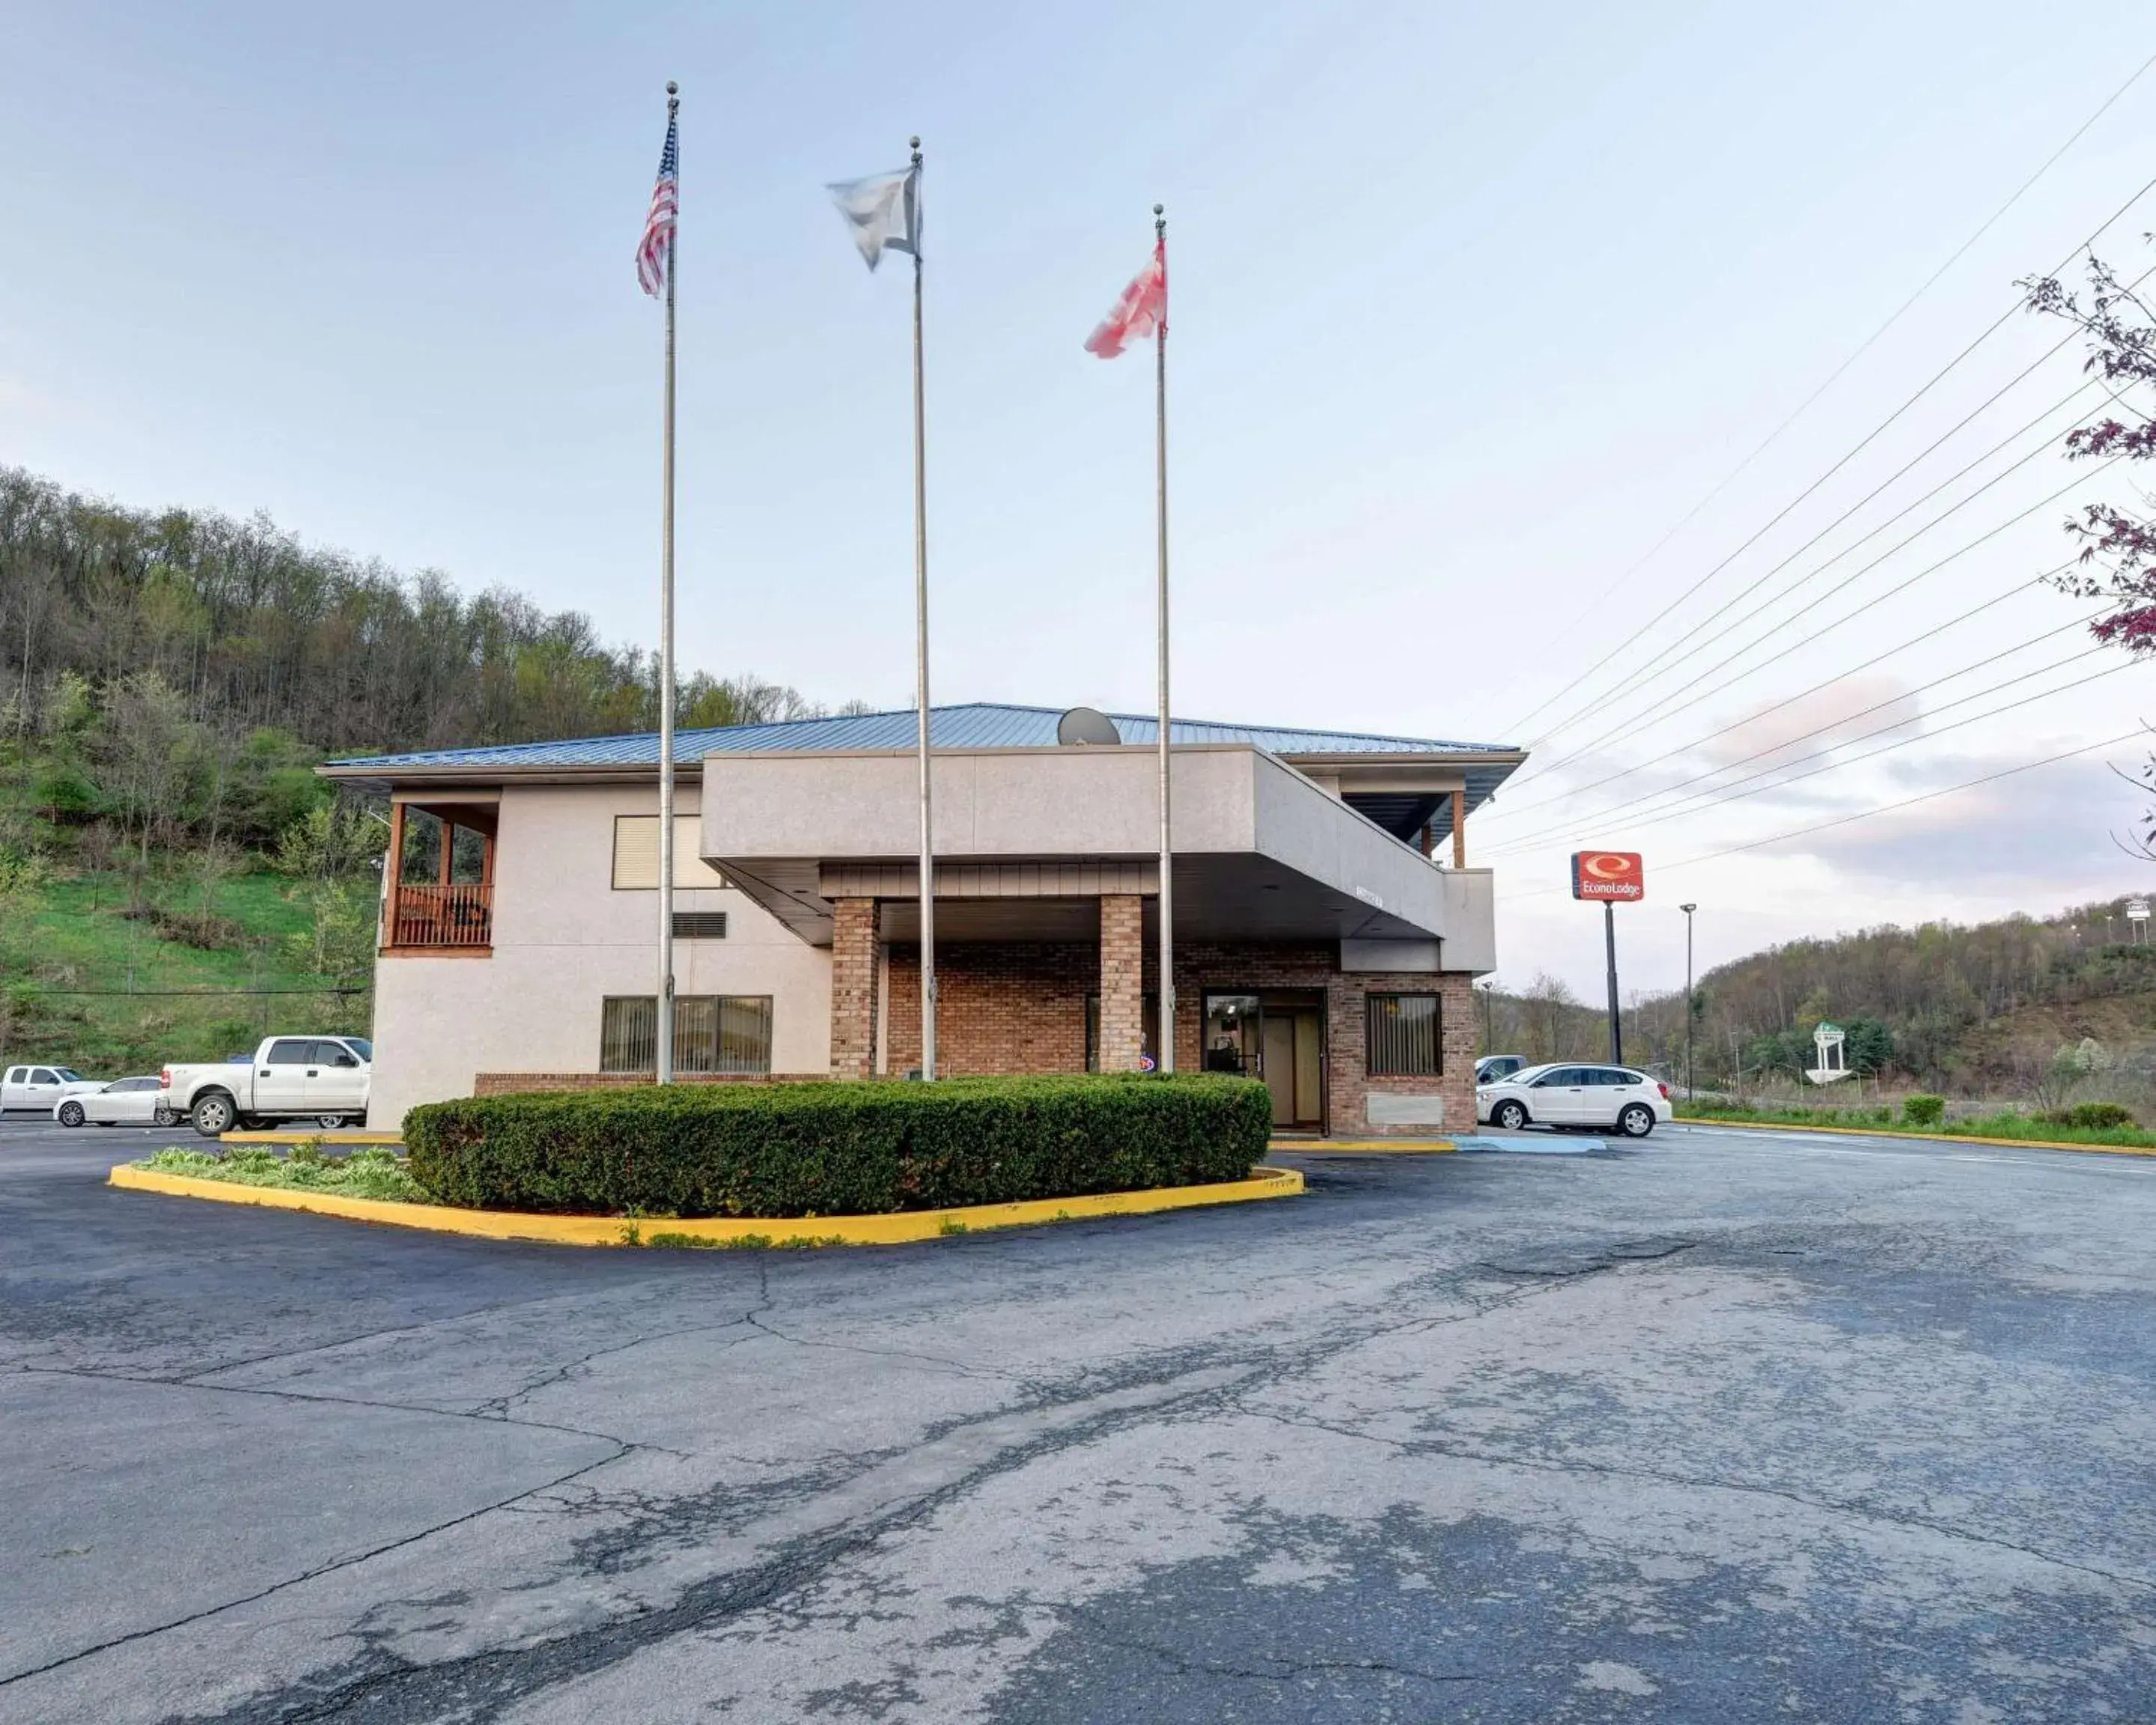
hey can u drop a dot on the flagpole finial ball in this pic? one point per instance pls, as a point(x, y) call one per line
point(1160, 209)
point(672, 87)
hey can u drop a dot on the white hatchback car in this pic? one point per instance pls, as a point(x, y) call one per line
point(124, 1102)
point(1615, 1097)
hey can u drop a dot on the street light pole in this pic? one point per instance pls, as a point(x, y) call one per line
point(1690, 1094)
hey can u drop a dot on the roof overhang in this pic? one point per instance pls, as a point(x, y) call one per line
point(1026, 838)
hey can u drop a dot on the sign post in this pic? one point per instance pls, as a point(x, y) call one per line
point(1610, 877)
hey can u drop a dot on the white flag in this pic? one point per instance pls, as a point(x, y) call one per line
point(884, 211)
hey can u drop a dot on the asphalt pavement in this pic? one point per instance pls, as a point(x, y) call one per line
point(1721, 1426)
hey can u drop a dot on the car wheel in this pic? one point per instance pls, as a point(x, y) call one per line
point(1509, 1115)
point(70, 1114)
point(1636, 1121)
point(213, 1116)
point(162, 1116)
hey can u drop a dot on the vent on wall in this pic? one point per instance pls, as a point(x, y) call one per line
point(700, 924)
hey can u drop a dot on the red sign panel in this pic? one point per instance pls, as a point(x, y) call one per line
point(1609, 875)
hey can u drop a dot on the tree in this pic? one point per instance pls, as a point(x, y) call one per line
point(1548, 1000)
point(2115, 555)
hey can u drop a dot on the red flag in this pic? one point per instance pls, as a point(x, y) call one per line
point(1141, 310)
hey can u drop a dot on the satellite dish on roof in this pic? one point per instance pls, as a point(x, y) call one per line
point(1086, 727)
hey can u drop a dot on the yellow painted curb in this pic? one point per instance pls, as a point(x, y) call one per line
point(1364, 1146)
point(300, 1135)
point(895, 1230)
point(1888, 1131)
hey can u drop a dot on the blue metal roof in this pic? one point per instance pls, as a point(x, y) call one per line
point(977, 724)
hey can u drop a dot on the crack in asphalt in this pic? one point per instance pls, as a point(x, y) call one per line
point(378, 1684)
point(1856, 1509)
point(1286, 1670)
point(320, 1570)
point(479, 1686)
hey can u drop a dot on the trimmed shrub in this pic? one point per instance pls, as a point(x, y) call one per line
point(1924, 1110)
point(2091, 1117)
point(837, 1148)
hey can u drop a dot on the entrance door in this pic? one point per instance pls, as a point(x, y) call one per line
point(1277, 1036)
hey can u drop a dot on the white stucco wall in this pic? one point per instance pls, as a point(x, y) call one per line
point(564, 938)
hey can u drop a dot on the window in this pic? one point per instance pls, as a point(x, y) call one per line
point(712, 1033)
point(290, 1051)
point(43, 1075)
point(700, 924)
point(636, 855)
point(1403, 1038)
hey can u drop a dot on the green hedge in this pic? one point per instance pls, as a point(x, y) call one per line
point(830, 1149)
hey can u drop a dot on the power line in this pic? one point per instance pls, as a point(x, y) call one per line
point(1790, 742)
point(1654, 667)
point(1660, 711)
point(1721, 794)
point(1937, 378)
point(1871, 814)
point(187, 993)
point(1707, 736)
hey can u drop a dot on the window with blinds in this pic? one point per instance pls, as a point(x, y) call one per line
point(636, 855)
point(1403, 1036)
point(727, 1033)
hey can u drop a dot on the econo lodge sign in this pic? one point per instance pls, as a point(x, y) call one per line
point(1614, 876)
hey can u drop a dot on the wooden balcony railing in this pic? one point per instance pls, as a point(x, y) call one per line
point(425, 915)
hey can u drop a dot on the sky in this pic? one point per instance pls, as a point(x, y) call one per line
point(1481, 317)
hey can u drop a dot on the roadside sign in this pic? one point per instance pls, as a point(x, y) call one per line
point(1608, 876)
point(2137, 910)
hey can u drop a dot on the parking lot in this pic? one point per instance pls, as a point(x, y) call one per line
point(1719, 1426)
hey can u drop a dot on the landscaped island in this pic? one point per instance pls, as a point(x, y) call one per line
point(792, 1150)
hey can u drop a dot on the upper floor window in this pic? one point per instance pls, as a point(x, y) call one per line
point(636, 853)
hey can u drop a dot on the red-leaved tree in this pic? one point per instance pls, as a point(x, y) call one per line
point(2117, 559)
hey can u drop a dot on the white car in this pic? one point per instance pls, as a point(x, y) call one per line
point(40, 1087)
point(124, 1102)
point(1615, 1097)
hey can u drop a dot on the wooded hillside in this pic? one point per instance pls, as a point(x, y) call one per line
point(1981, 1007)
point(170, 865)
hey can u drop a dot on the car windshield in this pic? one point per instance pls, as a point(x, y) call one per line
point(1523, 1076)
point(361, 1047)
point(69, 1075)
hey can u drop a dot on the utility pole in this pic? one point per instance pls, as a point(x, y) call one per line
point(1690, 1094)
point(1616, 1023)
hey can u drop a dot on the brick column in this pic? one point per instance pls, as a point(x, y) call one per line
point(1460, 829)
point(1122, 973)
point(854, 988)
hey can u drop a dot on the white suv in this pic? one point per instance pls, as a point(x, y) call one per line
point(1616, 1097)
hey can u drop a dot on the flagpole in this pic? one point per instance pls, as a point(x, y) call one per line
point(664, 1053)
point(1164, 1033)
point(921, 655)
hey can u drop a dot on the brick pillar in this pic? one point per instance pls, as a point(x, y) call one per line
point(1123, 976)
point(854, 988)
point(1460, 830)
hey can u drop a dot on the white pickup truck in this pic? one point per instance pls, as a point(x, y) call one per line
point(319, 1078)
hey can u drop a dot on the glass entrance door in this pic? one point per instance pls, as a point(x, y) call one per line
point(1276, 1035)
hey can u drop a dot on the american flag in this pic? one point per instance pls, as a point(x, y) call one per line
point(655, 257)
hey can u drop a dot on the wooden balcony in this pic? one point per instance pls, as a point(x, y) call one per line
point(444, 915)
point(430, 915)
